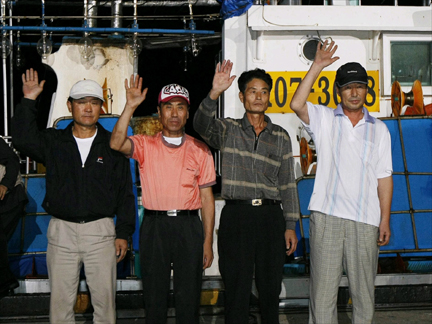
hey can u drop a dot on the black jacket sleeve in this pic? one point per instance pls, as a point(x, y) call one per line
point(26, 136)
point(126, 211)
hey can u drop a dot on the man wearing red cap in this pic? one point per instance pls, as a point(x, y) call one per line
point(351, 200)
point(87, 184)
point(176, 172)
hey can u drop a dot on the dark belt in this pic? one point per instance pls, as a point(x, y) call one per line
point(252, 202)
point(174, 212)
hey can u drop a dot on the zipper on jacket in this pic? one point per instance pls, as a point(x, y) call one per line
point(256, 140)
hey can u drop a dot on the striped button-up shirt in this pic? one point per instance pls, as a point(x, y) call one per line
point(351, 159)
point(253, 167)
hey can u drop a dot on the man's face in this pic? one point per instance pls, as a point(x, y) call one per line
point(256, 97)
point(353, 96)
point(85, 111)
point(173, 115)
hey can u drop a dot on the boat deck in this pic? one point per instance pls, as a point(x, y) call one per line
point(399, 298)
point(413, 315)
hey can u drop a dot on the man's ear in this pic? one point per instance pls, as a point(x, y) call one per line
point(69, 104)
point(241, 96)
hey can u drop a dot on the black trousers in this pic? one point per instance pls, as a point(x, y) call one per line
point(166, 240)
point(251, 239)
point(8, 222)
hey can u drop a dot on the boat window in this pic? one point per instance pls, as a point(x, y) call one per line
point(411, 61)
point(407, 58)
point(309, 49)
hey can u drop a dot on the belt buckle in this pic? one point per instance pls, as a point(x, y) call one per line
point(256, 202)
point(172, 212)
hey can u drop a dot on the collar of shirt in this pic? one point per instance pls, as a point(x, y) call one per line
point(367, 117)
point(173, 145)
point(245, 123)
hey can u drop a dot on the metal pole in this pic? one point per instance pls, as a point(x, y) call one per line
point(92, 12)
point(4, 56)
point(135, 25)
point(109, 30)
point(11, 63)
point(116, 12)
point(5, 99)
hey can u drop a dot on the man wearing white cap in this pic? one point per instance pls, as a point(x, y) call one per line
point(176, 172)
point(87, 184)
point(351, 200)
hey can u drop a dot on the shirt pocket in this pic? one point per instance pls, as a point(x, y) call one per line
point(189, 177)
point(272, 164)
point(368, 154)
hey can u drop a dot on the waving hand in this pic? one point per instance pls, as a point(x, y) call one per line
point(222, 79)
point(134, 95)
point(31, 86)
point(324, 54)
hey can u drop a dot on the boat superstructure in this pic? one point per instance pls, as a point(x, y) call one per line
point(109, 40)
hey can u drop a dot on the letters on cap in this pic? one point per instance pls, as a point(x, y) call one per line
point(171, 91)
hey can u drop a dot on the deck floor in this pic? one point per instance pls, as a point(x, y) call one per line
point(387, 316)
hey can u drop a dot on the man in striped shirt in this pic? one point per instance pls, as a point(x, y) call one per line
point(258, 221)
point(350, 203)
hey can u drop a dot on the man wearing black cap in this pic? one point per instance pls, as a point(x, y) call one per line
point(351, 200)
point(87, 184)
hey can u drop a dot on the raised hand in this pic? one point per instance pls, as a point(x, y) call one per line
point(31, 86)
point(222, 79)
point(134, 95)
point(324, 54)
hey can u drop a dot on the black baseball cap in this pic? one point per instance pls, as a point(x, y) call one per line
point(350, 73)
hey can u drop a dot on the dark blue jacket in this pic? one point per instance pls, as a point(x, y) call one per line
point(102, 187)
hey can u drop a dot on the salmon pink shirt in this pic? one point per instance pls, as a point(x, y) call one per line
point(172, 175)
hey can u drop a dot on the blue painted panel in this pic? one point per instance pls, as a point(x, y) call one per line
point(421, 191)
point(35, 229)
point(400, 224)
point(400, 194)
point(423, 223)
point(392, 125)
point(41, 265)
point(14, 243)
point(305, 189)
point(402, 235)
point(417, 136)
point(36, 193)
point(301, 244)
point(21, 265)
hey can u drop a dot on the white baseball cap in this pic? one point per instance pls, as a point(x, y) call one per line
point(171, 91)
point(86, 88)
